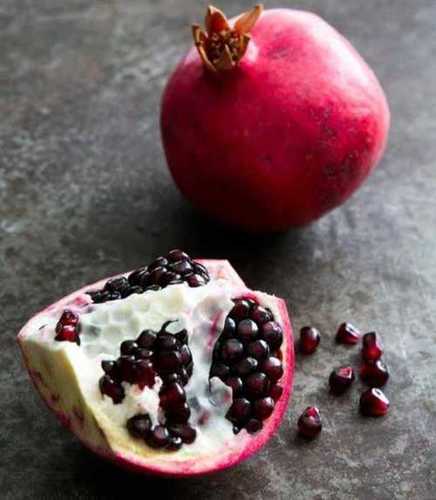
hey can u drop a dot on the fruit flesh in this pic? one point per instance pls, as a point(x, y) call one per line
point(51, 374)
point(284, 137)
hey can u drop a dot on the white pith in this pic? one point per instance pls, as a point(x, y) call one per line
point(201, 311)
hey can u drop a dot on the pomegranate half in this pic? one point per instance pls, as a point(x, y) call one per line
point(272, 119)
point(176, 369)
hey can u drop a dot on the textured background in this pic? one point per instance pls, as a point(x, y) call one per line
point(84, 193)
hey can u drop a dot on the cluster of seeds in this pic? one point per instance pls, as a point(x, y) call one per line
point(152, 354)
point(247, 358)
point(373, 372)
point(177, 267)
point(67, 328)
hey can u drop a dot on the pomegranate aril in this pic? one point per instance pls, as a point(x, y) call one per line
point(146, 339)
point(257, 385)
point(272, 333)
point(172, 396)
point(258, 349)
point(276, 392)
point(260, 315)
point(112, 389)
point(181, 267)
point(184, 431)
point(185, 354)
point(142, 353)
point(179, 415)
point(182, 336)
point(236, 384)
point(347, 334)
point(341, 379)
point(219, 370)
point(135, 277)
point(240, 411)
point(68, 333)
point(253, 425)
point(111, 368)
point(229, 327)
point(158, 262)
point(168, 361)
point(196, 280)
point(309, 423)
point(175, 443)
point(373, 403)
point(158, 437)
point(144, 373)
point(128, 368)
point(69, 318)
point(184, 375)
point(262, 408)
point(374, 374)
point(139, 425)
point(245, 366)
point(117, 285)
point(128, 347)
point(241, 310)
point(231, 350)
point(371, 347)
point(177, 254)
point(167, 342)
point(309, 339)
point(273, 368)
point(247, 330)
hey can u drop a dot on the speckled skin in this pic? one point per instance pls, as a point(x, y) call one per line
point(284, 137)
point(84, 192)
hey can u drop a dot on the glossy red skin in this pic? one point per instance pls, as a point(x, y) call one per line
point(285, 137)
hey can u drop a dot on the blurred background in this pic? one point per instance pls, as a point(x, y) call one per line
point(85, 193)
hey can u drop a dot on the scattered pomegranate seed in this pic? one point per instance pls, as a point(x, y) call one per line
point(371, 348)
point(374, 374)
point(347, 334)
point(341, 379)
point(373, 403)
point(67, 333)
point(309, 339)
point(309, 423)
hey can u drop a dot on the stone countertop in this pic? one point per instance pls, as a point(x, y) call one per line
point(84, 193)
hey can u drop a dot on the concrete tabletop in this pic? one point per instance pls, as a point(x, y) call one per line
point(84, 193)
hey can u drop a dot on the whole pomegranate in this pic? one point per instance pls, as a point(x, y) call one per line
point(176, 368)
point(272, 128)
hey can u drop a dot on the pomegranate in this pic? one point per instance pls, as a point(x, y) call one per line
point(176, 368)
point(272, 119)
point(372, 349)
point(374, 373)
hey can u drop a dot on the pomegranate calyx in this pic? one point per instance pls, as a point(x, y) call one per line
point(222, 46)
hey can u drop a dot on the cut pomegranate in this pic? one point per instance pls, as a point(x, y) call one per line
point(309, 340)
point(373, 403)
point(309, 423)
point(347, 334)
point(341, 379)
point(240, 87)
point(200, 372)
point(371, 347)
point(374, 373)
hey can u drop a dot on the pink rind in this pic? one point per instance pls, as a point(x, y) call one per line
point(189, 468)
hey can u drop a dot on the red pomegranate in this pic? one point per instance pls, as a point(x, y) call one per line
point(272, 119)
point(176, 368)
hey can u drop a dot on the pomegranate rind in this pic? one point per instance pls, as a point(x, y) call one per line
point(51, 374)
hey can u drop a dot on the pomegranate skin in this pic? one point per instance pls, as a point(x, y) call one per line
point(284, 137)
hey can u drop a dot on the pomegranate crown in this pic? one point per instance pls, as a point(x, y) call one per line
point(221, 46)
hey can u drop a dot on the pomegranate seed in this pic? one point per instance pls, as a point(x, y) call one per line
point(236, 385)
point(245, 366)
point(273, 368)
point(112, 389)
point(374, 374)
point(220, 370)
point(183, 431)
point(158, 437)
point(341, 379)
point(247, 330)
point(241, 309)
point(309, 340)
point(275, 392)
point(179, 415)
point(68, 333)
point(258, 349)
point(253, 425)
point(139, 425)
point(309, 423)
point(257, 385)
point(347, 334)
point(128, 347)
point(231, 350)
point(69, 318)
point(373, 403)
point(272, 333)
point(261, 315)
point(175, 443)
point(239, 411)
point(146, 339)
point(263, 408)
point(371, 349)
point(172, 396)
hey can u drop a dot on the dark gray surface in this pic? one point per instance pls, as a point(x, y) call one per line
point(84, 193)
